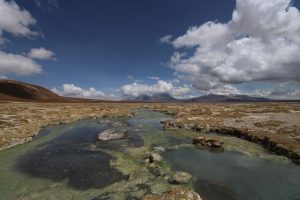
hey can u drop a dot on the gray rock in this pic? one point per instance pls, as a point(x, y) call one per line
point(111, 134)
point(154, 157)
point(180, 177)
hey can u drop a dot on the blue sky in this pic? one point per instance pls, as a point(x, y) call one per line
point(107, 45)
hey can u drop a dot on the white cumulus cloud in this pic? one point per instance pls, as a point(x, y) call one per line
point(278, 91)
point(137, 89)
point(260, 43)
point(15, 20)
point(18, 22)
point(70, 90)
point(41, 53)
point(18, 64)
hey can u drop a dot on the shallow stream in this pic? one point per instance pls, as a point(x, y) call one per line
point(68, 162)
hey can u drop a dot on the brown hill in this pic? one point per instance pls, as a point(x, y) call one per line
point(11, 90)
point(15, 90)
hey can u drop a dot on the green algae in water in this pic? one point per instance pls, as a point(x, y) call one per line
point(127, 176)
point(56, 165)
point(60, 164)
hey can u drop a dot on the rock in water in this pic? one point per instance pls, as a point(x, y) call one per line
point(175, 194)
point(208, 142)
point(154, 157)
point(111, 134)
point(180, 177)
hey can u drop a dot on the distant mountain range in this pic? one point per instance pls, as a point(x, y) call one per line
point(18, 91)
point(227, 98)
point(205, 98)
point(156, 98)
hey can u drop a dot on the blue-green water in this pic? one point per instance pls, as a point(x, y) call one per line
point(68, 162)
point(234, 175)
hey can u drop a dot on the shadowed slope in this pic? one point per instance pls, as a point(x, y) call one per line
point(14, 90)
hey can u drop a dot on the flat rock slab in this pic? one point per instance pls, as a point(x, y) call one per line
point(180, 177)
point(112, 134)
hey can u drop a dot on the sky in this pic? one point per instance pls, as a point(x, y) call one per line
point(120, 49)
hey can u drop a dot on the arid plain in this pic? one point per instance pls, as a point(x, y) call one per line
point(276, 126)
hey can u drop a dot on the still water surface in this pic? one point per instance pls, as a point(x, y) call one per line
point(67, 162)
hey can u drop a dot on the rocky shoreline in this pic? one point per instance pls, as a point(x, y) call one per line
point(245, 134)
point(275, 126)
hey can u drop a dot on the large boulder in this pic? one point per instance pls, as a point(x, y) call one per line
point(208, 142)
point(180, 177)
point(112, 134)
point(175, 194)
